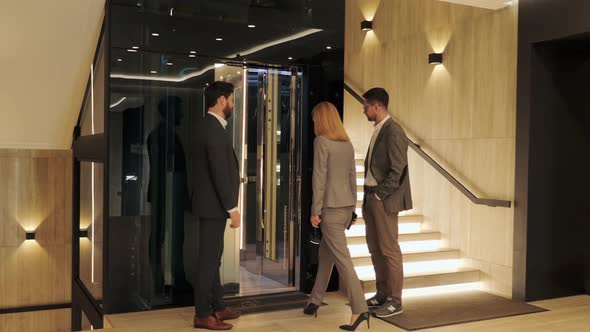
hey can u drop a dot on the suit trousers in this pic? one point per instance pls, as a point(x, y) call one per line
point(334, 251)
point(382, 240)
point(208, 290)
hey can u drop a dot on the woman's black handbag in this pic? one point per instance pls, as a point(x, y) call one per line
point(316, 237)
point(353, 219)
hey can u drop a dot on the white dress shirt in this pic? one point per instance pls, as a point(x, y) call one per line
point(224, 124)
point(369, 179)
point(221, 120)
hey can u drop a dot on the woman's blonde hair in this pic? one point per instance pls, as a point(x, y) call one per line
point(327, 122)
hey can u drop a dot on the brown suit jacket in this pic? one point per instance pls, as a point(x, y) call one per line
point(389, 166)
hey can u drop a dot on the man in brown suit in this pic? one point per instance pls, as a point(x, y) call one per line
point(387, 192)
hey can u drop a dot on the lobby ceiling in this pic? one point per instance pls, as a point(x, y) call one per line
point(179, 38)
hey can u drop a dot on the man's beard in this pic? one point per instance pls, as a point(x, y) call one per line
point(227, 111)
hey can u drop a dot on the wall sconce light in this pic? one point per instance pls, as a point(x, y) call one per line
point(367, 25)
point(83, 233)
point(435, 58)
point(30, 235)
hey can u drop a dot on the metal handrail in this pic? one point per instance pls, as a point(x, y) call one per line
point(440, 169)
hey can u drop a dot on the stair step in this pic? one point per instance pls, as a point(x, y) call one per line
point(430, 279)
point(408, 244)
point(411, 237)
point(413, 257)
point(359, 211)
point(406, 224)
point(402, 219)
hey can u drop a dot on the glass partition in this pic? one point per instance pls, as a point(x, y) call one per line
point(92, 115)
point(88, 203)
point(161, 63)
point(91, 227)
point(149, 195)
point(153, 229)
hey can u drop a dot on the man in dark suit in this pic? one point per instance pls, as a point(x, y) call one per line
point(215, 198)
point(387, 192)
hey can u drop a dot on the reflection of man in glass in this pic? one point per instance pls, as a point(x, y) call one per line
point(168, 194)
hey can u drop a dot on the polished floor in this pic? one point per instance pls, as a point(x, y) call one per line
point(570, 314)
point(251, 283)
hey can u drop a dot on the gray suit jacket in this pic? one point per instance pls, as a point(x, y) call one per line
point(334, 175)
point(389, 166)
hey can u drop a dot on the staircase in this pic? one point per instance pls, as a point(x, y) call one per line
point(429, 268)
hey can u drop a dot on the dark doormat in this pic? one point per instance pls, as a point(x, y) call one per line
point(270, 302)
point(449, 309)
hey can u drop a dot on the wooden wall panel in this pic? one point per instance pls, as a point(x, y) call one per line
point(462, 113)
point(40, 321)
point(36, 195)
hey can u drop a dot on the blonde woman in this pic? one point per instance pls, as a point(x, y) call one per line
point(334, 200)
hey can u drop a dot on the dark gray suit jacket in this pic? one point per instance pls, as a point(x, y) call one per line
point(389, 166)
point(215, 172)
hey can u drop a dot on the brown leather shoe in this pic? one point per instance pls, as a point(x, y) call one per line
point(227, 314)
point(211, 323)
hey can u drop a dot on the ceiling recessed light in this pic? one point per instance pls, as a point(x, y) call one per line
point(251, 26)
point(119, 60)
point(135, 47)
point(170, 63)
point(193, 52)
point(290, 58)
point(239, 72)
point(328, 47)
point(131, 50)
point(155, 34)
point(219, 39)
point(153, 72)
point(192, 56)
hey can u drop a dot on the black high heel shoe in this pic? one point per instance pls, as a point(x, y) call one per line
point(360, 319)
point(311, 309)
